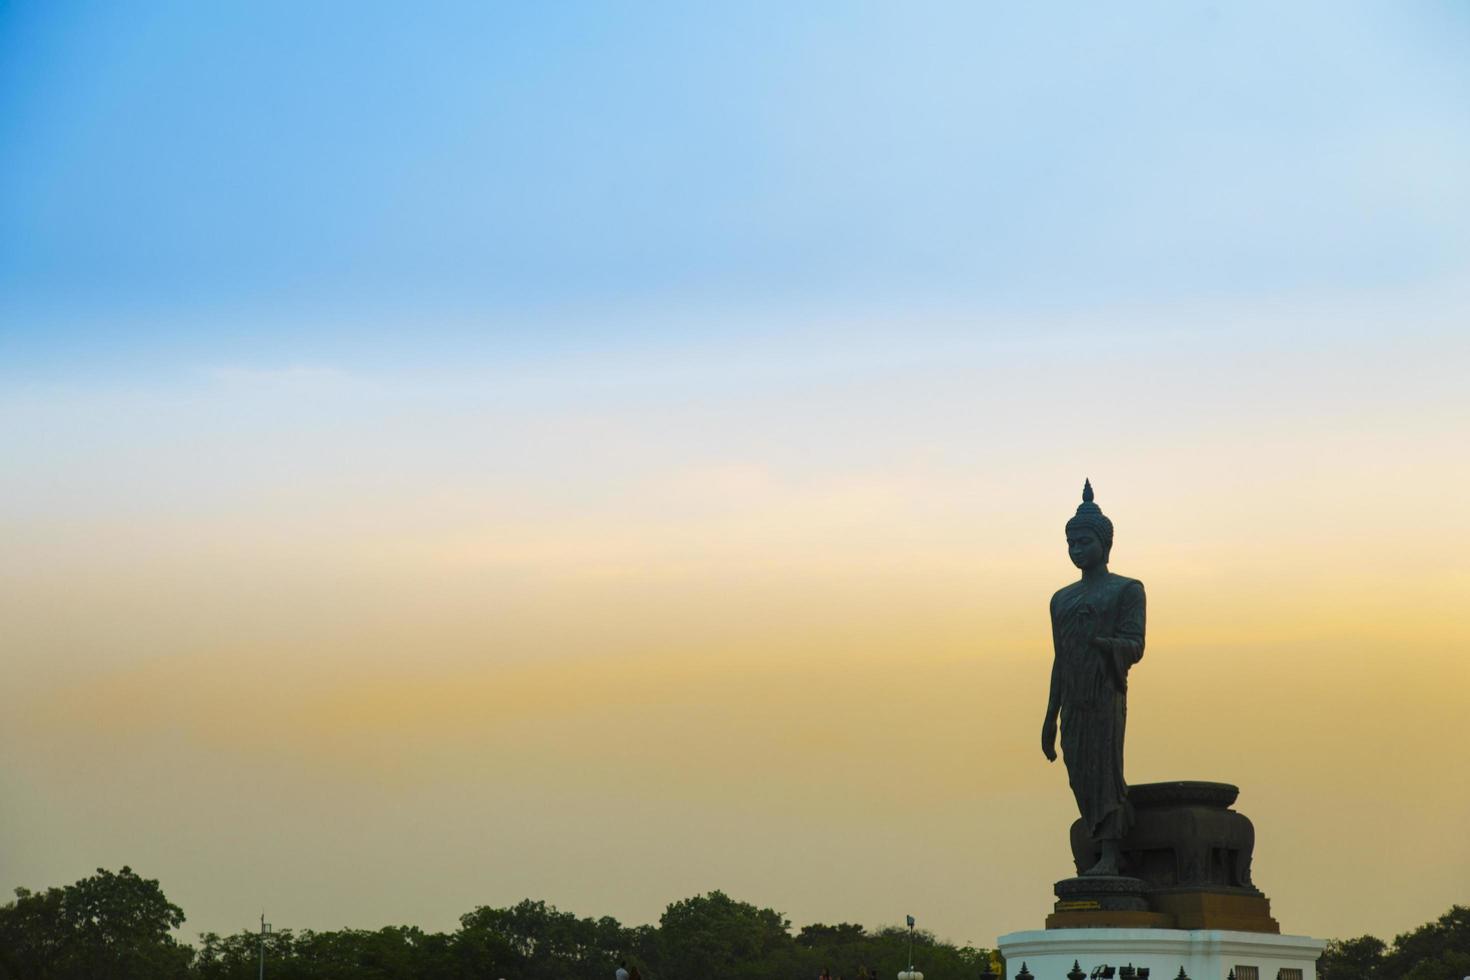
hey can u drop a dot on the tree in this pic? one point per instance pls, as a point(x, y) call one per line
point(390, 953)
point(104, 927)
point(534, 941)
point(32, 940)
point(1434, 951)
point(1351, 959)
point(237, 957)
point(842, 934)
point(715, 936)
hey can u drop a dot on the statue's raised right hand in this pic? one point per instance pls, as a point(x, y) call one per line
point(1049, 739)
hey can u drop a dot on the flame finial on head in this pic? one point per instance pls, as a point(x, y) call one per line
point(1089, 515)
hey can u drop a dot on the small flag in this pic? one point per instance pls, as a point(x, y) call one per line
point(911, 920)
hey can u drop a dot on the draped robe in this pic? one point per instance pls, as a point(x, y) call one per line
point(1090, 686)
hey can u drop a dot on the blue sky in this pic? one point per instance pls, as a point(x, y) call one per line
point(305, 181)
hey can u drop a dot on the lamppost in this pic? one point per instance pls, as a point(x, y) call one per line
point(910, 973)
point(265, 928)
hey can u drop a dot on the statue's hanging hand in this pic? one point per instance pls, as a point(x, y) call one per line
point(1049, 738)
point(1108, 647)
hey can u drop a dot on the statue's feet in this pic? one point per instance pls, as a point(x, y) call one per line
point(1108, 863)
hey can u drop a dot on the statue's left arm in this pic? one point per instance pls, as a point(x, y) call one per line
point(1125, 647)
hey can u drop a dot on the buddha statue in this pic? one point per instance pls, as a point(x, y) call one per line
point(1097, 626)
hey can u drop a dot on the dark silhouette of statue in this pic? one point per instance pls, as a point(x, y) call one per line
point(1097, 634)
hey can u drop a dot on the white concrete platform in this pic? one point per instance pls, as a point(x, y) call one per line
point(1205, 954)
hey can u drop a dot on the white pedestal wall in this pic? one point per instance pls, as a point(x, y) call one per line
point(1205, 954)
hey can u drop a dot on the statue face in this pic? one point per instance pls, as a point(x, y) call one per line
point(1086, 549)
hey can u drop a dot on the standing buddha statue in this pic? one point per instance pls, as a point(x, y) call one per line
point(1097, 626)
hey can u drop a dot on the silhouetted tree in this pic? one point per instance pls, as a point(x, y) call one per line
point(1351, 959)
point(715, 936)
point(842, 934)
point(1434, 951)
point(536, 941)
point(104, 927)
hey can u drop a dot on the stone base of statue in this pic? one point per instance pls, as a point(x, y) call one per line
point(1188, 856)
point(1184, 910)
point(1104, 901)
point(1202, 954)
point(1183, 902)
point(1198, 909)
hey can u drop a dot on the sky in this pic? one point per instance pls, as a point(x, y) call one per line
point(604, 454)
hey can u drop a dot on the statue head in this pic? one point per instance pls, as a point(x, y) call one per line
point(1087, 527)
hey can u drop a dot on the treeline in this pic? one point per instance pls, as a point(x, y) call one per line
point(121, 927)
point(1438, 950)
